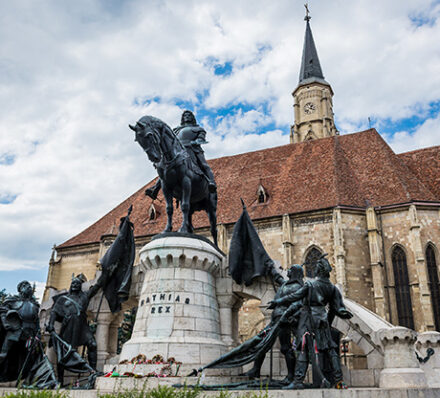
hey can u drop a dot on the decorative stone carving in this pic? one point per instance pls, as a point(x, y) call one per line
point(401, 368)
point(430, 362)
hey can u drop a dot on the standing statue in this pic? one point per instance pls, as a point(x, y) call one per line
point(70, 309)
point(313, 331)
point(295, 281)
point(249, 260)
point(18, 327)
point(182, 169)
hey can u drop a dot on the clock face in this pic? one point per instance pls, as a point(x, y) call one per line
point(309, 108)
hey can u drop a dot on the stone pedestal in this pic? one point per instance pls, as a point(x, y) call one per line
point(431, 367)
point(401, 368)
point(178, 312)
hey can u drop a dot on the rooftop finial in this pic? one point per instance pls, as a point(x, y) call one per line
point(307, 17)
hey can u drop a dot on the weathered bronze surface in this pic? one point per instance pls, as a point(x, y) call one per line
point(315, 343)
point(19, 325)
point(182, 168)
point(70, 309)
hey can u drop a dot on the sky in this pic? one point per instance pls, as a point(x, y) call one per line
point(74, 74)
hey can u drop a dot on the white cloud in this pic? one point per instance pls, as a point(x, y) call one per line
point(70, 73)
point(39, 289)
point(426, 135)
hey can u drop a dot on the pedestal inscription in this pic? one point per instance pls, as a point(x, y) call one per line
point(178, 313)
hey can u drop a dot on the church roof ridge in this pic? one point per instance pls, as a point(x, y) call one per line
point(414, 151)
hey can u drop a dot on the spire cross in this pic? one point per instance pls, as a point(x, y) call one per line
point(307, 17)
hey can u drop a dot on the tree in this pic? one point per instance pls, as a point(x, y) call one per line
point(3, 295)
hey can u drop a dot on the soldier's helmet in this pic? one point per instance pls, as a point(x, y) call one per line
point(296, 273)
point(323, 267)
point(22, 285)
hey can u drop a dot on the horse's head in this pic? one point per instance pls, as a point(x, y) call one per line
point(148, 138)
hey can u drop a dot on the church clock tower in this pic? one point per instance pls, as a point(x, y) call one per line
point(312, 98)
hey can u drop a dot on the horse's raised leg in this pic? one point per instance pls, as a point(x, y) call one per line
point(185, 204)
point(169, 199)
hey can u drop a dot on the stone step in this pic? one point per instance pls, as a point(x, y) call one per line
point(350, 393)
point(115, 384)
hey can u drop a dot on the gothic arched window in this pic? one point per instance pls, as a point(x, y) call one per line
point(402, 288)
point(433, 284)
point(309, 264)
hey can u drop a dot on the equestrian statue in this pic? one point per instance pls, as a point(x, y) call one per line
point(182, 168)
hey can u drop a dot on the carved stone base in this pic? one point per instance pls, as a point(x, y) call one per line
point(178, 312)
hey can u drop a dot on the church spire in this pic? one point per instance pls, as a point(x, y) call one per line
point(310, 66)
point(313, 105)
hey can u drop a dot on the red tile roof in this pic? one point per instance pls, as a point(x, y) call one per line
point(425, 164)
point(356, 170)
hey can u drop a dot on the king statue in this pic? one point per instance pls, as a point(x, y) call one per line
point(192, 136)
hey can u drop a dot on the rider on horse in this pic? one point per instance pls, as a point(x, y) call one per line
point(191, 136)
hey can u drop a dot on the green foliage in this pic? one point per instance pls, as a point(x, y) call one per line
point(126, 328)
point(164, 391)
point(158, 392)
point(223, 394)
point(36, 394)
point(3, 295)
point(256, 394)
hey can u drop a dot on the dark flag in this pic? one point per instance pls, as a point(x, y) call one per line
point(117, 265)
point(247, 351)
point(68, 357)
point(247, 257)
point(41, 375)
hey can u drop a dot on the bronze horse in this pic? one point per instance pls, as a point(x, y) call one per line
point(179, 176)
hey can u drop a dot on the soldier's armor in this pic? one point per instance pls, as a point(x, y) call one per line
point(81, 301)
point(188, 134)
point(27, 311)
point(288, 287)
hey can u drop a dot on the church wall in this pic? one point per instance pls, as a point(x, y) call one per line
point(72, 261)
point(429, 220)
point(397, 231)
point(271, 235)
point(312, 230)
point(357, 259)
point(430, 228)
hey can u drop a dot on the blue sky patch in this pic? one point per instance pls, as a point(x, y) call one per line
point(409, 124)
point(7, 159)
point(223, 69)
point(7, 198)
point(10, 279)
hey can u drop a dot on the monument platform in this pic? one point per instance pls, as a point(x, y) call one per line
point(318, 393)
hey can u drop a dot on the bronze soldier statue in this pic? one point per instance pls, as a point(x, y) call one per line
point(295, 281)
point(192, 136)
point(313, 334)
point(70, 309)
point(19, 325)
